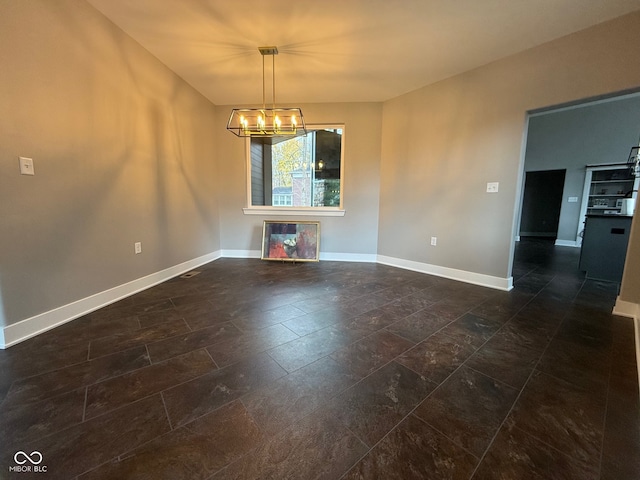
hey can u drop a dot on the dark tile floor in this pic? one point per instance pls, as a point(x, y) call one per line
point(259, 370)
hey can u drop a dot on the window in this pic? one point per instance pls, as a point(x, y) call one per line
point(285, 200)
point(302, 172)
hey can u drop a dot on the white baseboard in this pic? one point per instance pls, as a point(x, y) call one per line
point(451, 273)
point(566, 243)
point(30, 327)
point(241, 253)
point(626, 309)
point(349, 257)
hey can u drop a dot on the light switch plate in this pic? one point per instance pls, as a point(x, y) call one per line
point(26, 166)
point(492, 187)
point(573, 199)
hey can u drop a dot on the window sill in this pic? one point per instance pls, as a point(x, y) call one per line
point(295, 211)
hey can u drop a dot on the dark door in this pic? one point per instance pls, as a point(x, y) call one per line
point(541, 204)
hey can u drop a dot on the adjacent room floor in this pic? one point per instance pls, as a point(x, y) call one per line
point(269, 370)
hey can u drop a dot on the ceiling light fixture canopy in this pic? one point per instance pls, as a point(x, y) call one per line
point(267, 122)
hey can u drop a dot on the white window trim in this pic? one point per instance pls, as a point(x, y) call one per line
point(296, 211)
point(300, 211)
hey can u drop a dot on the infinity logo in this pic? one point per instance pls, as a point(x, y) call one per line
point(35, 458)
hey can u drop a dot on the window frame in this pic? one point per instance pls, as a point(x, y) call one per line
point(338, 211)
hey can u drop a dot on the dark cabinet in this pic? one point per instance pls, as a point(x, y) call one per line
point(604, 246)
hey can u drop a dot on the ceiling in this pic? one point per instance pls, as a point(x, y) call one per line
point(343, 50)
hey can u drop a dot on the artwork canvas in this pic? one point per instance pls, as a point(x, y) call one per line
point(291, 241)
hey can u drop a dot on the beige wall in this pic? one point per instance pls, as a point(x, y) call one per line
point(357, 231)
point(442, 144)
point(123, 152)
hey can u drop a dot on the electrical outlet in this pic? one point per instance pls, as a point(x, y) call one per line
point(137, 247)
point(434, 241)
point(492, 187)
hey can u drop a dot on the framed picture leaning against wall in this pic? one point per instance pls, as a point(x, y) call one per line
point(291, 241)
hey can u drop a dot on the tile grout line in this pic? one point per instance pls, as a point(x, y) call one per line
point(504, 420)
point(84, 385)
point(206, 349)
point(146, 347)
point(515, 402)
point(124, 455)
point(359, 459)
point(84, 408)
point(412, 410)
point(166, 411)
point(155, 392)
point(418, 417)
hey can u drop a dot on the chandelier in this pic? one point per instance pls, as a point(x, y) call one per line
point(267, 122)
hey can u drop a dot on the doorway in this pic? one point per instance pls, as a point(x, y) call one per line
point(541, 203)
point(568, 137)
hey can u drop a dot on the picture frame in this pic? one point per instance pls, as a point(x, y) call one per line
point(291, 241)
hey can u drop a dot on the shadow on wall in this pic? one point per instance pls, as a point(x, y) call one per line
point(177, 180)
